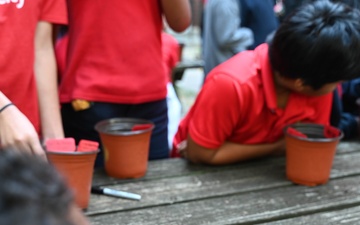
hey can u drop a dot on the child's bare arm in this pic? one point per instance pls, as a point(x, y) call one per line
point(230, 152)
point(177, 14)
point(46, 80)
point(16, 131)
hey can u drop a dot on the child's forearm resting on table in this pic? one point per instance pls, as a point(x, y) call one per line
point(230, 152)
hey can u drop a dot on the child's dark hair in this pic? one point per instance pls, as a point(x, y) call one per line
point(319, 43)
point(31, 191)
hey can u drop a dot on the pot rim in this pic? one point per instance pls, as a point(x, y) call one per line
point(99, 127)
point(338, 138)
point(73, 153)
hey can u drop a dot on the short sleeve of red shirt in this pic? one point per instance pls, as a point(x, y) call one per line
point(219, 95)
point(54, 11)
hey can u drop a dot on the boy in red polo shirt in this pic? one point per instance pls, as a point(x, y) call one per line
point(245, 102)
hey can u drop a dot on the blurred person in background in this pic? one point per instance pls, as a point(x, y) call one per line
point(232, 26)
point(171, 51)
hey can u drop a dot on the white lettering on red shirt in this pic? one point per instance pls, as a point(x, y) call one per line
point(19, 3)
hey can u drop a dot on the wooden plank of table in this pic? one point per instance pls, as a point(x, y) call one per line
point(229, 181)
point(348, 147)
point(184, 188)
point(349, 216)
point(251, 207)
point(159, 169)
point(174, 167)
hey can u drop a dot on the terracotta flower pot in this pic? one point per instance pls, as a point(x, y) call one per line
point(126, 143)
point(310, 150)
point(77, 169)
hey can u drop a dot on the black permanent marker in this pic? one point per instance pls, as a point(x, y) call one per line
point(115, 193)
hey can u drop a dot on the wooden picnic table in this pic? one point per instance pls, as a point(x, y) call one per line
point(255, 192)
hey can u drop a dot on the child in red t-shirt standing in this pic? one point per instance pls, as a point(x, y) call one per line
point(115, 66)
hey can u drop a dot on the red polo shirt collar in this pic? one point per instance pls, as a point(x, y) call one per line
point(266, 75)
